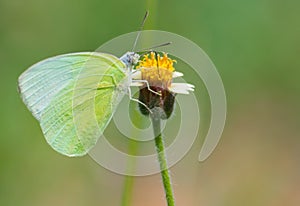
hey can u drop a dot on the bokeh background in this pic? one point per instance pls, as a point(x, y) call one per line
point(254, 44)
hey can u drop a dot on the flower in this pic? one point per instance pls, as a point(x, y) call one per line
point(154, 75)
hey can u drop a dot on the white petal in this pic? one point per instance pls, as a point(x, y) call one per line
point(181, 88)
point(136, 84)
point(177, 74)
point(136, 74)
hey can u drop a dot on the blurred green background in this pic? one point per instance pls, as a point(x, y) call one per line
point(254, 44)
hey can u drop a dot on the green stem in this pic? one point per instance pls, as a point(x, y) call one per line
point(152, 8)
point(160, 149)
point(127, 194)
point(129, 180)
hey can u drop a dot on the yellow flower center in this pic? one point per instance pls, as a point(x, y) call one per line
point(157, 70)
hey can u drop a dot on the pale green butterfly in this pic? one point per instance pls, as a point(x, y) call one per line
point(64, 93)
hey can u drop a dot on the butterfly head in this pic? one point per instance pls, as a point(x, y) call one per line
point(130, 58)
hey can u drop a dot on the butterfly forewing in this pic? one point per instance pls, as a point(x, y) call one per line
point(73, 96)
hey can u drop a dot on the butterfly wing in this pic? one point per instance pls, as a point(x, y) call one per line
point(73, 96)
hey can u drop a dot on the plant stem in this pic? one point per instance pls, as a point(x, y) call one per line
point(129, 180)
point(161, 155)
point(152, 8)
point(127, 194)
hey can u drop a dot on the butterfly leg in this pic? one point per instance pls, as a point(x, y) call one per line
point(147, 84)
point(136, 100)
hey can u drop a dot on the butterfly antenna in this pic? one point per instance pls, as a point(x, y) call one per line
point(155, 47)
point(140, 30)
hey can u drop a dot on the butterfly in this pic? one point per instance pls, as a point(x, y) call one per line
point(66, 92)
